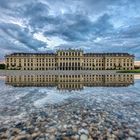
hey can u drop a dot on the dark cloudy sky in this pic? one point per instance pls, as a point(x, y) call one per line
point(93, 25)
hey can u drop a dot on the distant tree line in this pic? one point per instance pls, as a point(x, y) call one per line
point(2, 66)
point(137, 67)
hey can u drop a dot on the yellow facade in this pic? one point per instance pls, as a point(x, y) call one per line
point(70, 60)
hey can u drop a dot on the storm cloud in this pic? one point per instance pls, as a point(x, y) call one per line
point(43, 25)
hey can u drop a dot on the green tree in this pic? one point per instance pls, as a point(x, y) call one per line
point(2, 66)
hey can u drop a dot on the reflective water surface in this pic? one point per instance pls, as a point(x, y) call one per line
point(96, 105)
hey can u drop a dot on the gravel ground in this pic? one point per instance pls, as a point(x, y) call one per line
point(18, 72)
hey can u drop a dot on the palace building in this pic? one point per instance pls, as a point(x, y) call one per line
point(70, 60)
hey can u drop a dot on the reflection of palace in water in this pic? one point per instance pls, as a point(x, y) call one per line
point(71, 82)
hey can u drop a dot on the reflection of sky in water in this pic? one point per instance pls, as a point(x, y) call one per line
point(26, 98)
point(44, 95)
